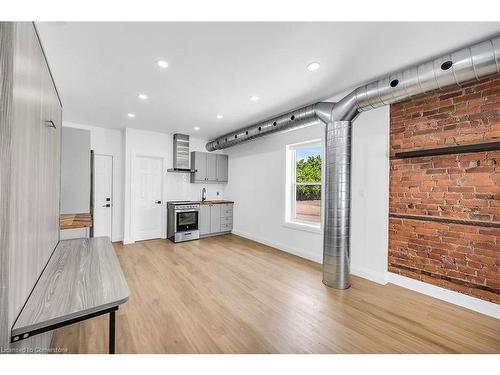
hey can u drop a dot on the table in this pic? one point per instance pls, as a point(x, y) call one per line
point(82, 279)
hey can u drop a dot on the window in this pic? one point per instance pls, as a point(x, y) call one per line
point(304, 184)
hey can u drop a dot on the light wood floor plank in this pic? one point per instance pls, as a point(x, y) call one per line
point(227, 294)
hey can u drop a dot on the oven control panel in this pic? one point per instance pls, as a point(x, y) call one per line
point(187, 207)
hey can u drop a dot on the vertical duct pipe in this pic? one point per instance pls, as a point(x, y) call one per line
point(466, 64)
point(337, 208)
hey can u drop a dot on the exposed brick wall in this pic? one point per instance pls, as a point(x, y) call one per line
point(463, 258)
point(466, 115)
point(465, 186)
point(457, 256)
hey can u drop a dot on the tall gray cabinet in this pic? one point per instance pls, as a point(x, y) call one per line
point(30, 139)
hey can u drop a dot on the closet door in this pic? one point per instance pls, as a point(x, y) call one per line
point(27, 159)
point(35, 182)
point(50, 165)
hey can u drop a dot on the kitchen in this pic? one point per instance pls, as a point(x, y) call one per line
point(193, 177)
point(191, 220)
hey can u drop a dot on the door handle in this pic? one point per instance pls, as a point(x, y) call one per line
point(50, 124)
point(107, 205)
point(158, 202)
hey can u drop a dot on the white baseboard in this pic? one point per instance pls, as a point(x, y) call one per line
point(127, 241)
point(463, 300)
point(280, 246)
point(472, 303)
point(364, 273)
point(379, 278)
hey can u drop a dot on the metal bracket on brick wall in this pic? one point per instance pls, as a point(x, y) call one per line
point(446, 220)
point(459, 149)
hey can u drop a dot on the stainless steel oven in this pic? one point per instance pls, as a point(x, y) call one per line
point(182, 221)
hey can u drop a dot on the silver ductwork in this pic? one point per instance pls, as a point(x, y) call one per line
point(466, 64)
point(300, 117)
point(337, 206)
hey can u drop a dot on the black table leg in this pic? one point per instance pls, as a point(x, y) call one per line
point(112, 332)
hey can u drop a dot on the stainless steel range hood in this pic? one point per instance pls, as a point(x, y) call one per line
point(181, 154)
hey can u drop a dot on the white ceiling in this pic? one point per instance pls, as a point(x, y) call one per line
point(99, 68)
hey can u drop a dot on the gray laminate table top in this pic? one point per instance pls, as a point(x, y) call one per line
point(83, 276)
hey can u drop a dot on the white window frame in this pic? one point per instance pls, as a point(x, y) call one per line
point(290, 187)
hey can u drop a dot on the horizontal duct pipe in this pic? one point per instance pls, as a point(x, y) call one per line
point(466, 64)
point(300, 117)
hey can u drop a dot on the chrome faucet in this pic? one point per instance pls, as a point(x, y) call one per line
point(203, 195)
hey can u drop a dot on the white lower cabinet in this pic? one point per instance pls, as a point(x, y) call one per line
point(215, 219)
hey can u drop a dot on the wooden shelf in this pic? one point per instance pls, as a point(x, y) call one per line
point(461, 149)
point(72, 221)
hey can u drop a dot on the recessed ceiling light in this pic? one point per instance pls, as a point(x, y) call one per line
point(219, 116)
point(254, 98)
point(196, 128)
point(313, 66)
point(162, 63)
point(142, 96)
point(131, 115)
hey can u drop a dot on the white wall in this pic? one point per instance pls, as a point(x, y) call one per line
point(109, 142)
point(75, 170)
point(370, 195)
point(257, 185)
point(176, 186)
point(75, 177)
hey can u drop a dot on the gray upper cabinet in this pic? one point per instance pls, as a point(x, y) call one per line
point(222, 167)
point(210, 168)
point(199, 163)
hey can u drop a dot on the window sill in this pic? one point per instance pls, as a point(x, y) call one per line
point(303, 226)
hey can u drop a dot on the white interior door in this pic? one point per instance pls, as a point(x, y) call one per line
point(103, 195)
point(148, 198)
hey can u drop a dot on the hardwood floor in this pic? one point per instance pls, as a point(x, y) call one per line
point(231, 295)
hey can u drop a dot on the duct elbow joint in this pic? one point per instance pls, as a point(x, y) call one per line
point(346, 109)
point(323, 110)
